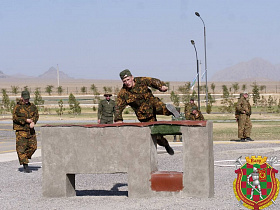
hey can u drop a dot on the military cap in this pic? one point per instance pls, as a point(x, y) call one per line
point(25, 94)
point(108, 94)
point(192, 99)
point(125, 73)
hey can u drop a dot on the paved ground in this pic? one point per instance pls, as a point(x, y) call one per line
point(109, 191)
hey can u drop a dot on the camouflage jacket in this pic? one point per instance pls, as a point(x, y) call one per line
point(241, 106)
point(188, 109)
point(199, 116)
point(21, 113)
point(106, 109)
point(139, 97)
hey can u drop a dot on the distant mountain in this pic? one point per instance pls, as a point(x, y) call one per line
point(52, 74)
point(2, 75)
point(256, 69)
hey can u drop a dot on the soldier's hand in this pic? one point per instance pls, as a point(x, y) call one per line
point(98, 121)
point(31, 125)
point(28, 120)
point(163, 88)
point(119, 121)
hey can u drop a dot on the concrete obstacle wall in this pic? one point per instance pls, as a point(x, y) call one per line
point(129, 147)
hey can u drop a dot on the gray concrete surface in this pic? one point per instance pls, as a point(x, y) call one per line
point(67, 151)
point(109, 191)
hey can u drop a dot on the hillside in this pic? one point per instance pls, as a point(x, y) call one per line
point(256, 69)
point(52, 74)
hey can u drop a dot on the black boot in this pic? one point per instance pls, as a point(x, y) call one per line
point(169, 150)
point(243, 140)
point(26, 169)
point(249, 139)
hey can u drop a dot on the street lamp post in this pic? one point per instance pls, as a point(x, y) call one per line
point(197, 73)
point(206, 88)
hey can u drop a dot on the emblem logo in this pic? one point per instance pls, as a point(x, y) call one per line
point(256, 186)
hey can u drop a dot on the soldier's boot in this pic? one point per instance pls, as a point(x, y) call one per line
point(26, 169)
point(249, 139)
point(243, 140)
point(161, 141)
point(169, 150)
point(173, 110)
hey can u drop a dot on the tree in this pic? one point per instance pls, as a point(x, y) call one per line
point(244, 87)
point(94, 89)
point(25, 88)
point(271, 103)
point(107, 89)
point(49, 89)
point(12, 106)
point(5, 101)
point(74, 105)
point(83, 90)
point(213, 86)
point(38, 100)
point(235, 87)
point(227, 101)
point(60, 110)
point(167, 84)
point(263, 87)
point(15, 89)
point(59, 90)
point(255, 93)
point(185, 90)
point(175, 98)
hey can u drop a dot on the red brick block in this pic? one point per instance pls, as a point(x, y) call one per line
point(170, 181)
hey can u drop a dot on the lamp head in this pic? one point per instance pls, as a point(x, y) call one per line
point(192, 41)
point(197, 14)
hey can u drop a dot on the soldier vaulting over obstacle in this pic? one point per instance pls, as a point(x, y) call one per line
point(136, 93)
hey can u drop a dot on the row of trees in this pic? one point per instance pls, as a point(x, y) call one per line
point(50, 89)
point(8, 105)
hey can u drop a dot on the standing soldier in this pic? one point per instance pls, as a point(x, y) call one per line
point(243, 113)
point(136, 93)
point(25, 116)
point(106, 110)
point(188, 108)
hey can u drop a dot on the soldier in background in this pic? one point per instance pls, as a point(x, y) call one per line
point(106, 110)
point(188, 108)
point(243, 113)
point(137, 94)
point(195, 114)
point(25, 116)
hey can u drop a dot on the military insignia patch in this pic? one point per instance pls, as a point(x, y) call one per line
point(256, 186)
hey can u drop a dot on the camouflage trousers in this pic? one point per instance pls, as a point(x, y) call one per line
point(26, 145)
point(244, 126)
point(161, 141)
point(107, 120)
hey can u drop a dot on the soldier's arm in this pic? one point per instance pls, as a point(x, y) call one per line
point(18, 117)
point(99, 110)
point(121, 104)
point(34, 114)
point(155, 83)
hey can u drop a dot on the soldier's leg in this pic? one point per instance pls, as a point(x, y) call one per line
point(31, 146)
point(161, 108)
point(21, 145)
point(247, 127)
point(241, 126)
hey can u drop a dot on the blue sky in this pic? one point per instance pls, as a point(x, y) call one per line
point(97, 39)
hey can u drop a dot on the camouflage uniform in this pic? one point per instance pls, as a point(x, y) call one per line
point(188, 109)
point(197, 116)
point(106, 110)
point(244, 122)
point(143, 102)
point(26, 142)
